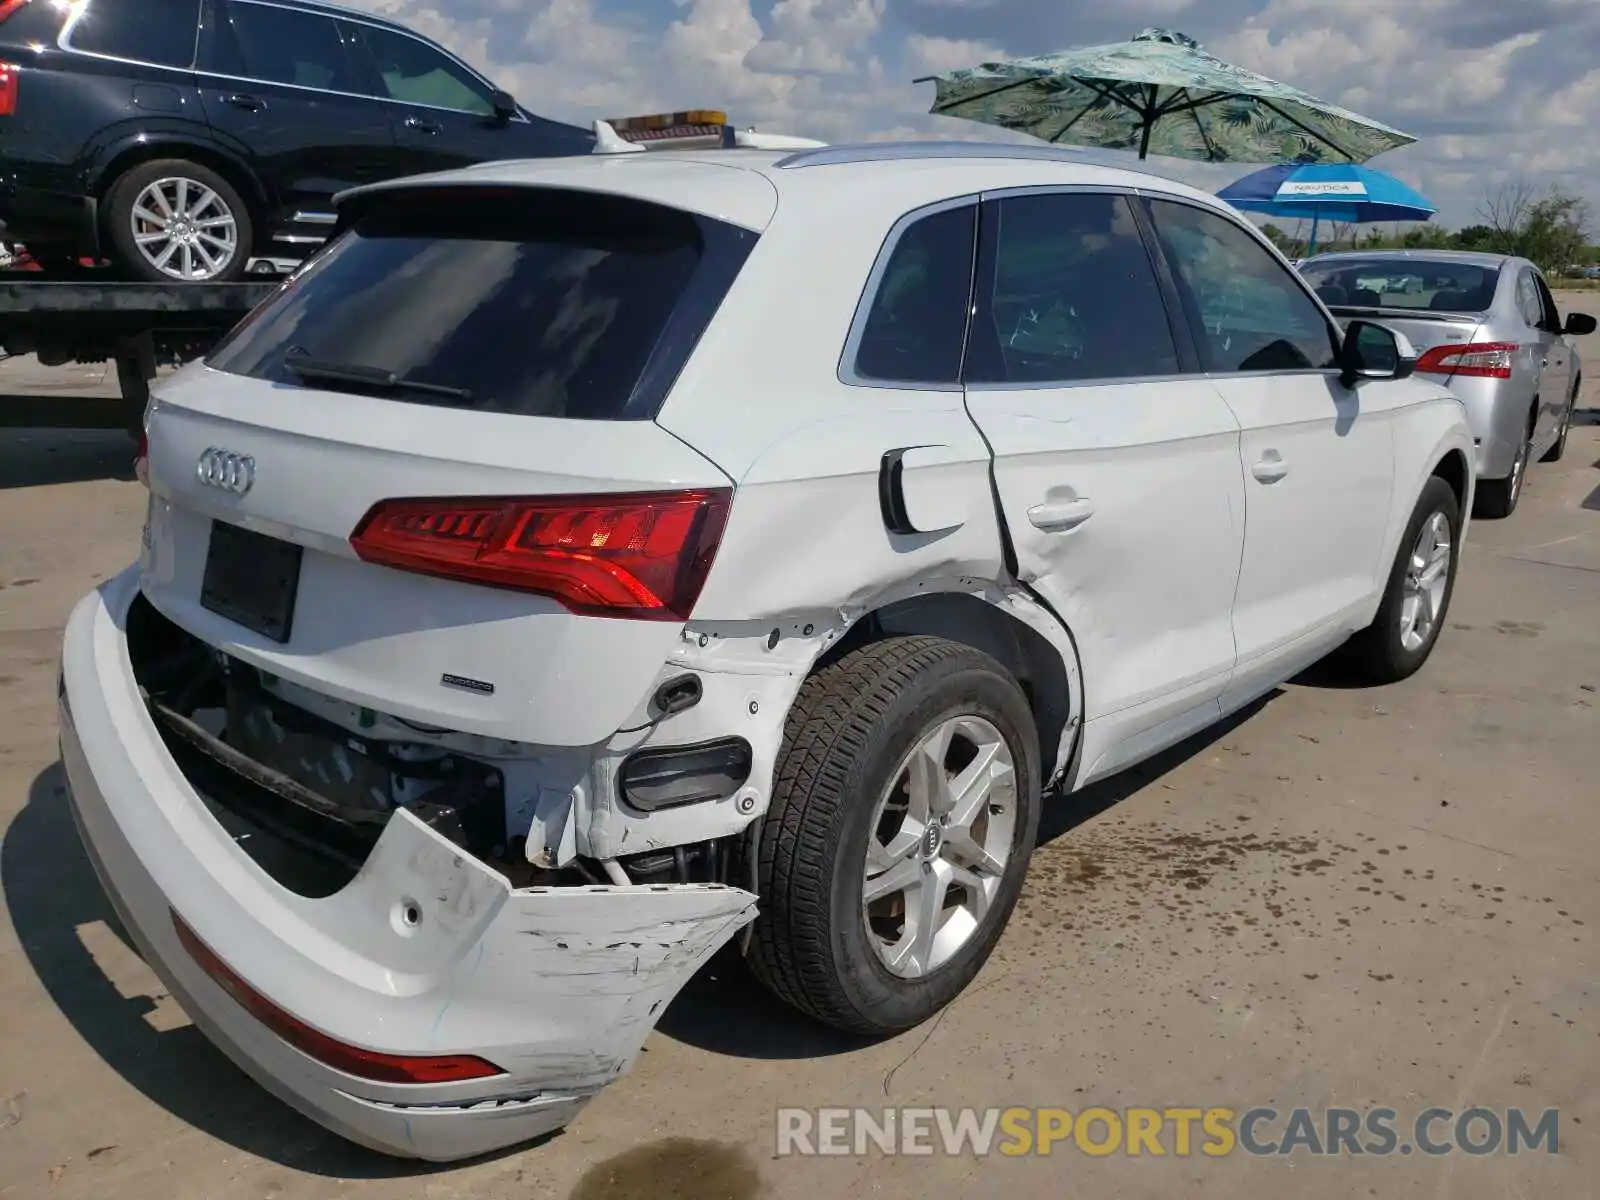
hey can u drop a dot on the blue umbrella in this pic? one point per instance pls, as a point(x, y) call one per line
point(1327, 192)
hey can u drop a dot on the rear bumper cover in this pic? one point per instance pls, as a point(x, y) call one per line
point(40, 217)
point(559, 986)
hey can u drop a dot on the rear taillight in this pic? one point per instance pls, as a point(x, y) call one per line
point(8, 76)
point(1486, 360)
point(352, 1060)
point(643, 555)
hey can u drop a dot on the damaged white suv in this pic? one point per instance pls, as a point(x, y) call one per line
point(581, 561)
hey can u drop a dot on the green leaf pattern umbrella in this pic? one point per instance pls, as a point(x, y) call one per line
point(1160, 94)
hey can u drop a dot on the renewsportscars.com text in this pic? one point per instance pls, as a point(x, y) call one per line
point(1157, 1132)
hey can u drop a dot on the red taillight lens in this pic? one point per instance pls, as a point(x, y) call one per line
point(352, 1060)
point(8, 73)
point(642, 555)
point(1486, 360)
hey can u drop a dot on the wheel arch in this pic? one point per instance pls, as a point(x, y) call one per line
point(117, 160)
point(1013, 629)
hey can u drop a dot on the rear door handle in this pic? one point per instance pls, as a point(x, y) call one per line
point(248, 103)
point(423, 125)
point(1062, 516)
point(1271, 468)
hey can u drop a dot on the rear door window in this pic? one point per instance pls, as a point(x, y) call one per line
point(282, 45)
point(159, 32)
point(539, 302)
point(1074, 295)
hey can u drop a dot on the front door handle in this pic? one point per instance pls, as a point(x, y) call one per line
point(423, 125)
point(1271, 468)
point(248, 103)
point(1062, 516)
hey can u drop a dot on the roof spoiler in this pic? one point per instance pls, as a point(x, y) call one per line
point(696, 129)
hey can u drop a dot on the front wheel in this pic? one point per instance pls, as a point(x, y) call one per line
point(1418, 592)
point(903, 816)
point(171, 220)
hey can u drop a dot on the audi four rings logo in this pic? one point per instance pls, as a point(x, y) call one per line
point(225, 470)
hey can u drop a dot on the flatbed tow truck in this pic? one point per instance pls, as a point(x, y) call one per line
point(90, 317)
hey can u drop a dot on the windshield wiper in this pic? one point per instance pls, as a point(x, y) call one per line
point(377, 378)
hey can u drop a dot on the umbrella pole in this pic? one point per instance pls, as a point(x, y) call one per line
point(1312, 247)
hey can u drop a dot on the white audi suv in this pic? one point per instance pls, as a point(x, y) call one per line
point(581, 564)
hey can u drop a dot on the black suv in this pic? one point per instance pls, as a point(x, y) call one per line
point(193, 139)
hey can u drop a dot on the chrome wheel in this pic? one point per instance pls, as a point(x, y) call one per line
point(939, 844)
point(184, 229)
point(1426, 578)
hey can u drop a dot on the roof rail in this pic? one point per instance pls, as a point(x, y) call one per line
point(895, 151)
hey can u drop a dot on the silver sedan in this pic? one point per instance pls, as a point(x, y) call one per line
point(1487, 326)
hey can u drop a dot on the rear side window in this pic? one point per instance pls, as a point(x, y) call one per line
point(917, 323)
point(416, 73)
point(539, 302)
point(161, 32)
point(1074, 295)
point(282, 45)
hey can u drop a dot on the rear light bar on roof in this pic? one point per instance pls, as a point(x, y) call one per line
point(692, 129)
point(352, 1060)
point(643, 555)
point(1484, 360)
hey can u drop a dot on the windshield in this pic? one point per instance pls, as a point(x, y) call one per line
point(1403, 283)
point(538, 302)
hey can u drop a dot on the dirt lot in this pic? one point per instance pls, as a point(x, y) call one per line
point(1347, 898)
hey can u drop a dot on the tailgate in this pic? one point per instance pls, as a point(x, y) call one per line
point(1423, 330)
point(466, 385)
point(393, 640)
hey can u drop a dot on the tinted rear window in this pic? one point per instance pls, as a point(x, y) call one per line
point(1403, 283)
point(162, 32)
point(536, 302)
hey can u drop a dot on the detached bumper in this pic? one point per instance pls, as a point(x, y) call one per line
point(557, 986)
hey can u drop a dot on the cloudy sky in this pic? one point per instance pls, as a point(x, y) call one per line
point(1493, 88)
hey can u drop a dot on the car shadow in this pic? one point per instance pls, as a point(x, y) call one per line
point(41, 457)
point(724, 1009)
point(52, 894)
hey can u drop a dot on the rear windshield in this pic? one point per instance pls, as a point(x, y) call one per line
point(539, 302)
point(1403, 283)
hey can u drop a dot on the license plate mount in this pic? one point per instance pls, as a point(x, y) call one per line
point(251, 579)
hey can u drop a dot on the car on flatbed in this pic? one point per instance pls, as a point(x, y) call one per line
point(582, 564)
point(1487, 326)
point(193, 140)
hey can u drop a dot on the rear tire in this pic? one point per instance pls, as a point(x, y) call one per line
point(866, 737)
point(175, 221)
point(1497, 498)
point(1419, 589)
point(1555, 452)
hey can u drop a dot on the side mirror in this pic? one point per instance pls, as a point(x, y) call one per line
point(1579, 324)
point(1373, 351)
point(505, 105)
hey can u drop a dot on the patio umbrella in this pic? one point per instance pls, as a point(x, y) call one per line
point(1160, 94)
point(1327, 192)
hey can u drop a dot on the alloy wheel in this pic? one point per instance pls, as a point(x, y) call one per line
point(1426, 578)
point(184, 229)
point(939, 844)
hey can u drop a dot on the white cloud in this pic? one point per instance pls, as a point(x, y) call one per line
point(1493, 90)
